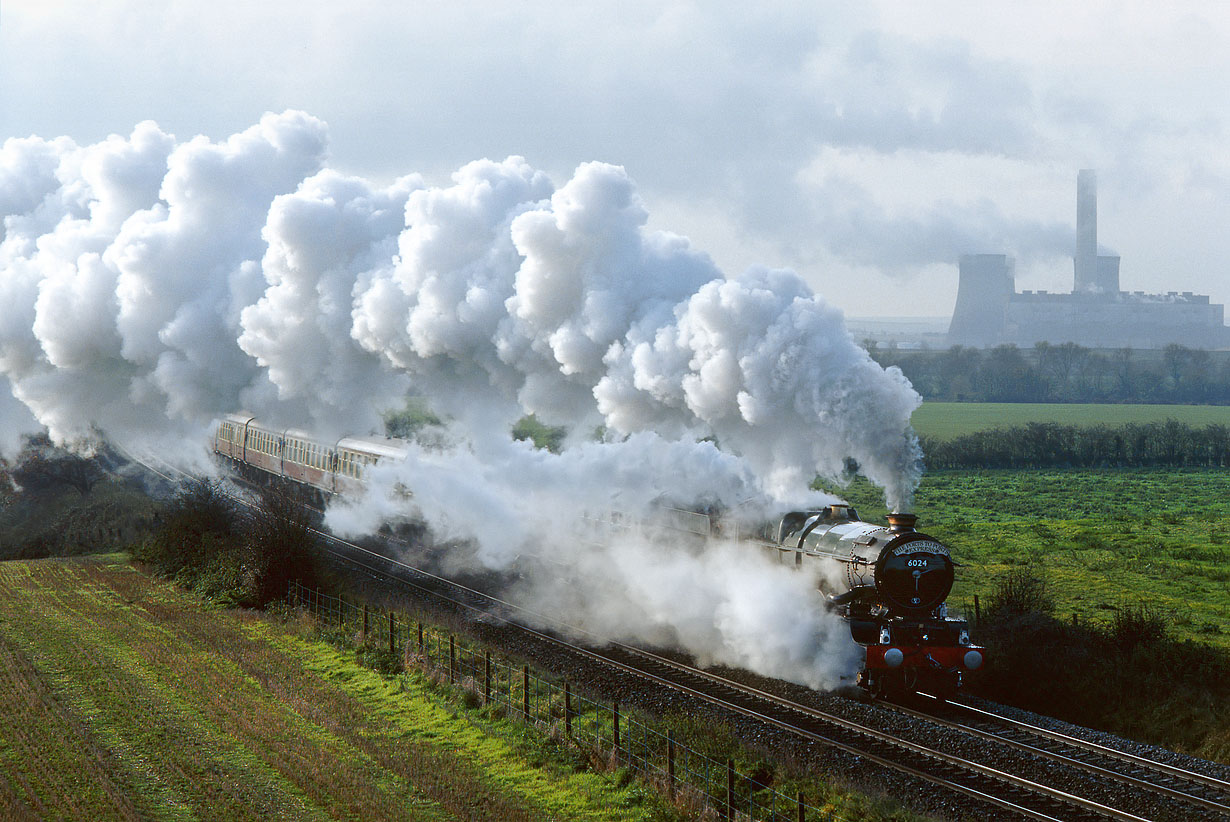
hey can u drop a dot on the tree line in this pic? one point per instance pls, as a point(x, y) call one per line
point(1051, 445)
point(1065, 372)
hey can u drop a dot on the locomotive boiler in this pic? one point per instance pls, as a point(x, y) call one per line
point(890, 583)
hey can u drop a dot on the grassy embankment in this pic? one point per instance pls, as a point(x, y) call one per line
point(125, 698)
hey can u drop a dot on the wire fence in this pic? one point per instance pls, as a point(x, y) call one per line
point(707, 788)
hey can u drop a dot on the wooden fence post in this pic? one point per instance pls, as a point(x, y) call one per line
point(366, 623)
point(392, 629)
point(730, 789)
point(486, 677)
point(525, 692)
point(670, 764)
point(567, 708)
point(615, 728)
point(802, 808)
point(452, 659)
point(420, 624)
point(977, 611)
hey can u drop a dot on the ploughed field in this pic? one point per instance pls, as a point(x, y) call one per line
point(948, 420)
point(122, 697)
point(1101, 539)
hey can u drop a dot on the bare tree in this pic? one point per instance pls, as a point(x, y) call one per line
point(280, 543)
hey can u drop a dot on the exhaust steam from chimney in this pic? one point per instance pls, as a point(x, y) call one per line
point(153, 284)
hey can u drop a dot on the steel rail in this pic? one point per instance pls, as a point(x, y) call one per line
point(1097, 770)
point(1143, 762)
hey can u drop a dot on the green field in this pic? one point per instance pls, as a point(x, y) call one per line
point(1102, 539)
point(947, 420)
point(122, 697)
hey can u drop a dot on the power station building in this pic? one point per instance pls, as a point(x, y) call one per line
point(990, 311)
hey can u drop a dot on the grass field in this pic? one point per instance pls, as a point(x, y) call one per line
point(124, 698)
point(1101, 538)
point(947, 420)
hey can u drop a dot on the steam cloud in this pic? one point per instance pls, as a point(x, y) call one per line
point(152, 285)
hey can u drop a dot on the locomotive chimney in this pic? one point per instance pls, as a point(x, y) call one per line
point(901, 522)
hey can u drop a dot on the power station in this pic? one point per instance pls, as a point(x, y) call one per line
point(990, 311)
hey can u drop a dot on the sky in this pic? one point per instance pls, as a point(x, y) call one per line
point(866, 146)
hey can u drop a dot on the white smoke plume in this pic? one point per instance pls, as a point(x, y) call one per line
point(152, 285)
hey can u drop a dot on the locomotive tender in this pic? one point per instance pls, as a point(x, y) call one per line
point(889, 583)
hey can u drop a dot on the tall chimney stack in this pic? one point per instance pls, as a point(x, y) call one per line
point(1086, 259)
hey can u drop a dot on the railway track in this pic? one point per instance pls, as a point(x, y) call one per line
point(1202, 792)
point(1179, 794)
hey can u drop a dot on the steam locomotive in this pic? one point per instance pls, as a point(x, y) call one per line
point(889, 583)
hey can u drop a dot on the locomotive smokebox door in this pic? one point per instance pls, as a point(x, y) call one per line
point(914, 573)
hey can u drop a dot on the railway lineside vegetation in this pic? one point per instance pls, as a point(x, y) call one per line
point(232, 557)
point(1065, 372)
point(698, 764)
point(1128, 673)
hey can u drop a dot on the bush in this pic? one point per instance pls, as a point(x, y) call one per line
point(1135, 626)
point(1020, 591)
point(197, 525)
